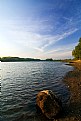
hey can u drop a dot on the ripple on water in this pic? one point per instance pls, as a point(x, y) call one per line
point(22, 81)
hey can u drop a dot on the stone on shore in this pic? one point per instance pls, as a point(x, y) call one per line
point(48, 103)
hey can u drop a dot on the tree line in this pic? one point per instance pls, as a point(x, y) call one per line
point(77, 51)
point(18, 59)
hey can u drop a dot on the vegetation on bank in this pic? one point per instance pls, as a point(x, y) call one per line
point(77, 51)
point(18, 59)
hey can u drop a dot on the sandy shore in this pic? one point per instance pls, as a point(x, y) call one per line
point(72, 110)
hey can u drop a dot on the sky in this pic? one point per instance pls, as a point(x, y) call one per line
point(39, 28)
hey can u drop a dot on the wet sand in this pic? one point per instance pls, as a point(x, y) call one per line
point(72, 110)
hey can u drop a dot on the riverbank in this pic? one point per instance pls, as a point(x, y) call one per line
point(73, 82)
point(72, 110)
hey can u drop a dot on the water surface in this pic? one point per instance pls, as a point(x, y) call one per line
point(20, 83)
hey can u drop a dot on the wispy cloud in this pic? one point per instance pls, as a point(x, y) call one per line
point(33, 39)
point(53, 39)
point(59, 52)
point(62, 48)
point(57, 55)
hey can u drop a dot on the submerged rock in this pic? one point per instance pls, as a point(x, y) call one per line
point(48, 103)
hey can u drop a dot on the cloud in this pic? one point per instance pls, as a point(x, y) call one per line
point(33, 40)
point(62, 55)
point(53, 39)
point(60, 52)
point(66, 18)
point(57, 55)
point(62, 48)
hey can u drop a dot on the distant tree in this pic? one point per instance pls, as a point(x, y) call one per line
point(77, 51)
point(49, 59)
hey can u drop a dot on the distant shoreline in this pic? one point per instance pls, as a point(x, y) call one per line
point(18, 59)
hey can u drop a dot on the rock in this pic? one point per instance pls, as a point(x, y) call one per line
point(48, 103)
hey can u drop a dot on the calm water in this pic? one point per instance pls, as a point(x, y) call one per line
point(20, 83)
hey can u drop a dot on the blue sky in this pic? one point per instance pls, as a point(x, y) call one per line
point(39, 28)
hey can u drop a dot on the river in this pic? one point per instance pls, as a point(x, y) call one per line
point(20, 83)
